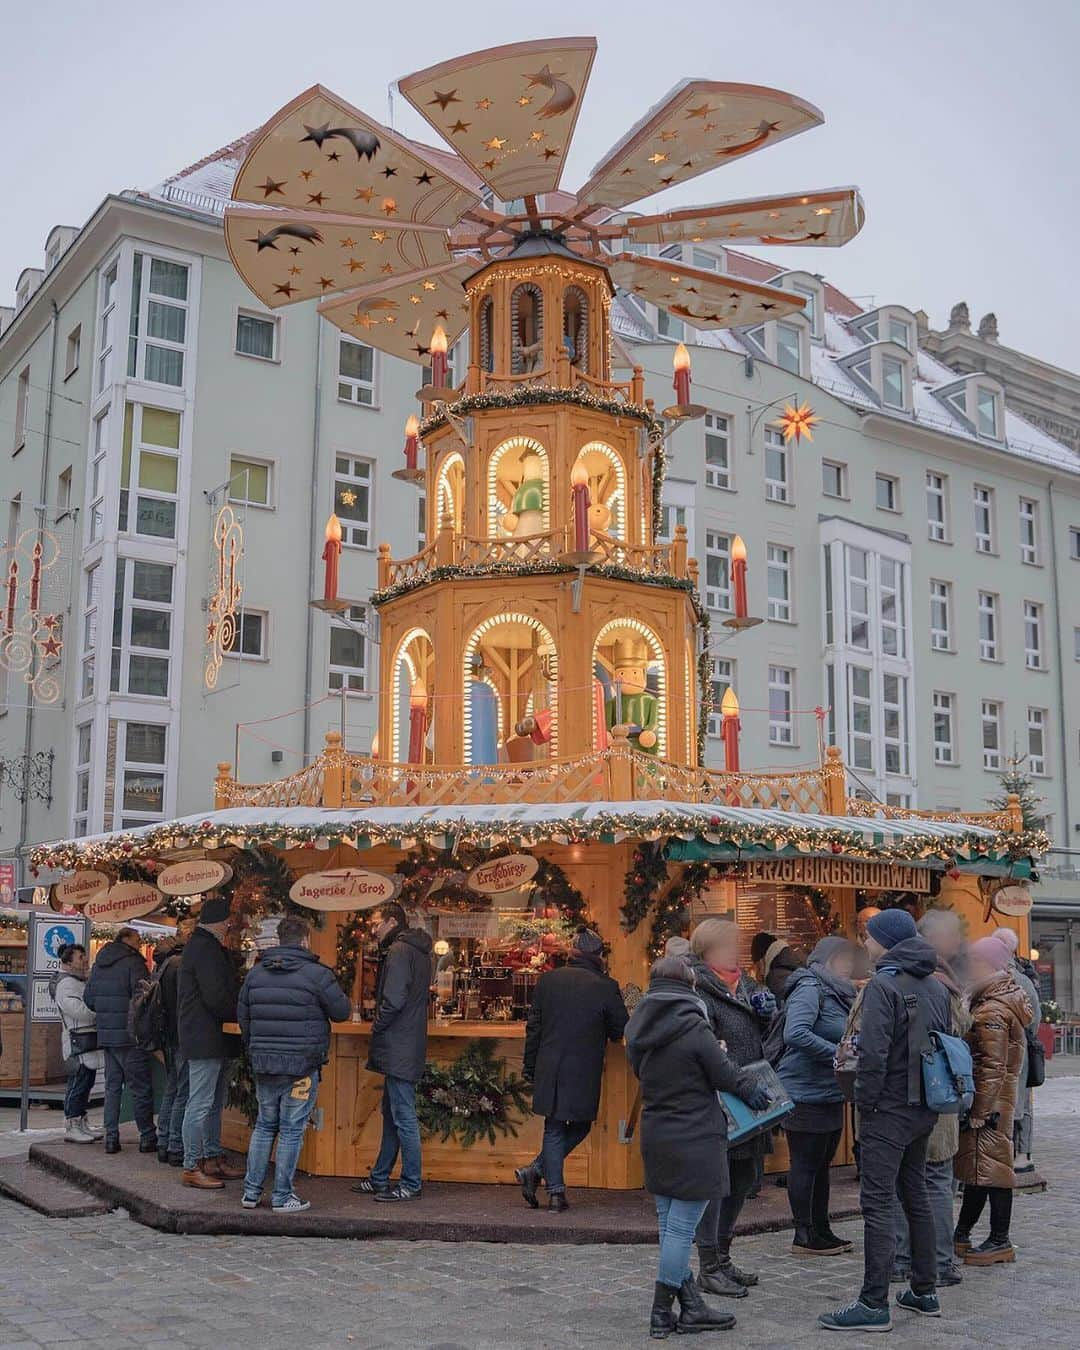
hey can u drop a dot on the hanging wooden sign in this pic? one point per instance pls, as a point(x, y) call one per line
point(345, 888)
point(503, 874)
point(193, 877)
point(125, 900)
point(1014, 901)
point(80, 887)
point(861, 872)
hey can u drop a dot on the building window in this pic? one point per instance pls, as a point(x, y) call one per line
point(353, 482)
point(986, 412)
point(1076, 644)
point(723, 677)
point(891, 607)
point(22, 408)
point(150, 468)
point(858, 598)
point(91, 600)
point(988, 626)
point(667, 326)
point(72, 349)
point(142, 766)
point(900, 333)
point(779, 582)
point(936, 506)
point(63, 492)
point(421, 521)
point(83, 747)
point(256, 335)
point(1074, 542)
point(250, 481)
point(984, 519)
point(991, 734)
point(941, 615)
point(860, 718)
point(106, 327)
point(717, 450)
point(781, 705)
point(1033, 635)
point(249, 636)
point(886, 492)
point(833, 478)
point(157, 332)
point(810, 307)
point(1029, 531)
point(787, 348)
point(99, 448)
point(356, 373)
point(944, 729)
point(777, 467)
point(1036, 720)
point(892, 382)
point(717, 570)
point(348, 653)
point(894, 722)
point(142, 628)
point(672, 515)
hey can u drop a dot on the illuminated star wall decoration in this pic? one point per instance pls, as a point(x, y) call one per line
point(797, 422)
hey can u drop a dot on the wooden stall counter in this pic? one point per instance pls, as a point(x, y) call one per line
point(471, 1031)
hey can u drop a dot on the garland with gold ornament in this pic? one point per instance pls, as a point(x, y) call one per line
point(672, 913)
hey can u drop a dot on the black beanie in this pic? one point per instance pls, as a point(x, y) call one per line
point(760, 944)
point(214, 910)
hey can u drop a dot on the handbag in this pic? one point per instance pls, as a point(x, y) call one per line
point(1036, 1059)
point(846, 1055)
point(83, 1042)
point(742, 1122)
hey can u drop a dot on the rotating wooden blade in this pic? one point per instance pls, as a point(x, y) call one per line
point(399, 317)
point(320, 153)
point(825, 219)
point(703, 299)
point(288, 256)
point(700, 125)
point(510, 111)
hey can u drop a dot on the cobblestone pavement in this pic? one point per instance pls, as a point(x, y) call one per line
point(107, 1282)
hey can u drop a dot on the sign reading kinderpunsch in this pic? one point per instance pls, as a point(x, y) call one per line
point(125, 900)
point(345, 888)
point(503, 874)
point(874, 876)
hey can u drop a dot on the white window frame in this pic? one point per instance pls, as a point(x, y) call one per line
point(797, 333)
point(1034, 643)
point(858, 603)
point(892, 631)
point(353, 384)
point(91, 617)
point(778, 489)
point(132, 489)
point(239, 481)
point(894, 486)
point(1074, 542)
point(107, 321)
point(944, 710)
point(128, 648)
point(22, 408)
point(340, 672)
point(842, 479)
point(1038, 720)
point(994, 433)
point(886, 362)
point(859, 703)
point(245, 618)
point(983, 501)
point(900, 740)
point(100, 430)
point(937, 490)
point(123, 818)
point(676, 508)
point(988, 626)
point(259, 316)
point(72, 351)
point(719, 428)
point(780, 564)
point(722, 678)
point(941, 598)
point(83, 779)
point(718, 593)
point(992, 721)
point(782, 726)
point(143, 340)
point(348, 479)
point(1028, 514)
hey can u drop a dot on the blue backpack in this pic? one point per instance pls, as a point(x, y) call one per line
point(941, 1074)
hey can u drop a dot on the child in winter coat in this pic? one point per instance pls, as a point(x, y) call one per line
point(79, 1028)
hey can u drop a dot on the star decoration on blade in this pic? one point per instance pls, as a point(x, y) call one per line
point(307, 187)
point(796, 422)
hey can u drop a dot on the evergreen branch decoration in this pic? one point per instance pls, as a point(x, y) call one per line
point(641, 885)
point(241, 1094)
point(672, 913)
point(471, 1100)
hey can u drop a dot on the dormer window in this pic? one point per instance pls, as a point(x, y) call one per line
point(864, 369)
point(756, 336)
point(886, 371)
point(670, 327)
point(787, 348)
point(784, 343)
point(811, 292)
point(987, 416)
point(892, 382)
point(900, 333)
point(869, 330)
point(978, 402)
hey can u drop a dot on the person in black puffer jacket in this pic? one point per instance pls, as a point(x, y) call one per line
point(681, 1067)
point(286, 1006)
point(398, 1050)
point(119, 968)
point(167, 957)
point(739, 1013)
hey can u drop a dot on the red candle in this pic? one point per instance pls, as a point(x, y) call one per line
point(729, 730)
point(579, 486)
point(738, 576)
point(438, 357)
point(417, 722)
point(35, 578)
point(331, 554)
point(12, 594)
point(681, 362)
point(412, 427)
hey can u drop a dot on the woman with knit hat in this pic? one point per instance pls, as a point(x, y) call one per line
point(1023, 972)
point(999, 1013)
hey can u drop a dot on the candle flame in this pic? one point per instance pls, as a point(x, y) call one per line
point(418, 694)
point(729, 704)
point(333, 529)
point(681, 359)
point(412, 425)
point(438, 341)
point(579, 475)
point(738, 549)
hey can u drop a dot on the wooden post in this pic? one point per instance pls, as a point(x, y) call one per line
point(444, 542)
point(620, 770)
point(384, 566)
point(333, 793)
point(223, 786)
point(678, 552)
point(473, 379)
point(637, 386)
point(1016, 814)
point(835, 782)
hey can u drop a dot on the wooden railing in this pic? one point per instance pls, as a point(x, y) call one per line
point(470, 551)
point(1006, 818)
point(563, 376)
point(400, 571)
point(367, 782)
point(649, 559)
point(804, 789)
point(306, 787)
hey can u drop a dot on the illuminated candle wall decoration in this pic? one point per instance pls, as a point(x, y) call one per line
point(331, 555)
point(12, 595)
point(579, 487)
point(738, 576)
point(729, 729)
point(35, 578)
point(681, 363)
point(412, 428)
point(439, 365)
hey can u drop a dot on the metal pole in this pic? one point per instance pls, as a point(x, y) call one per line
point(28, 1025)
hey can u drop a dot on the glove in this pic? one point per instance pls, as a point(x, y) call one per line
point(763, 1002)
point(756, 1096)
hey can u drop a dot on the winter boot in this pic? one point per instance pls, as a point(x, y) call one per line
point(961, 1242)
point(712, 1279)
point(529, 1179)
point(833, 1239)
point(807, 1243)
point(728, 1267)
point(697, 1315)
point(87, 1128)
point(662, 1318)
point(994, 1251)
point(74, 1135)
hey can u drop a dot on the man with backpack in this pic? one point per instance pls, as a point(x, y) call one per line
point(901, 1006)
point(117, 974)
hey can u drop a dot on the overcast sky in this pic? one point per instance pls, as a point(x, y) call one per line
point(957, 119)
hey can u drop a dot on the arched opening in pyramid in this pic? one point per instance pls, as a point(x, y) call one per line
point(518, 495)
point(607, 488)
point(630, 684)
point(510, 683)
point(450, 491)
point(413, 675)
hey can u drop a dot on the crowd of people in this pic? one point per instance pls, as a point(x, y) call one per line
point(849, 1020)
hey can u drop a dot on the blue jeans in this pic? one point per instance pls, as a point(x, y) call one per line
point(77, 1094)
point(400, 1132)
point(284, 1107)
point(207, 1083)
point(678, 1222)
point(173, 1101)
point(561, 1137)
point(128, 1064)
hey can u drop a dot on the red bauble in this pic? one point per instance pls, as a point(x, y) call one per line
point(837, 848)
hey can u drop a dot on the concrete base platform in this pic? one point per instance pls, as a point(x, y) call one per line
point(49, 1195)
point(154, 1195)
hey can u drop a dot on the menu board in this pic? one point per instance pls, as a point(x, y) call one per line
point(782, 910)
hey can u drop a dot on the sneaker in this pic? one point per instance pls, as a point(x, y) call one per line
point(294, 1205)
point(365, 1186)
point(247, 1202)
point(926, 1304)
point(857, 1316)
point(74, 1135)
point(814, 1244)
point(947, 1278)
point(398, 1192)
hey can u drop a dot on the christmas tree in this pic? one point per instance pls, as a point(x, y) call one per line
point(1015, 778)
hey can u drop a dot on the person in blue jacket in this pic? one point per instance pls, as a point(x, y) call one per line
point(817, 1000)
